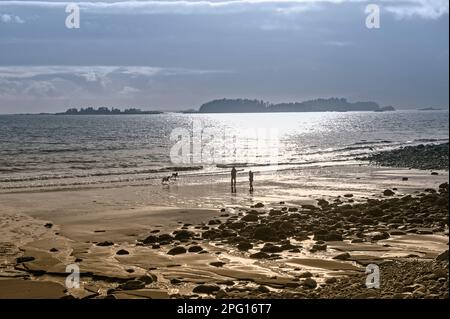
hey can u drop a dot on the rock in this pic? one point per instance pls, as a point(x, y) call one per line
point(217, 263)
point(122, 252)
point(259, 205)
point(221, 294)
point(259, 255)
point(175, 281)
point(132, 285)
point(177, 251)
point(195, 249)
point(250, 218)
point(165, 238)
point(105, 243)
point(214, 222)
point(54, 250)
point(264, 233)
point(348, 195)
point(263, 289)
point(343, 256)
point(147, 279)
point(378, 235)
point(443, 256)
point(388, 192)
point(327, 236)
point(24, 259)
point(443, 188)
point(183, 235)
point(309, 283)
point(48, 225)
point(330, 280)
point(244, 246)
point(150, 240)
point(271, 249)
point(322, 203)
point(404, 178)
point(305, 274)
point(317, 247)
point(434, 173)
point(206, 289)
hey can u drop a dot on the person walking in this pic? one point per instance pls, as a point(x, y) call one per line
point(250, 179)
point(233, 179)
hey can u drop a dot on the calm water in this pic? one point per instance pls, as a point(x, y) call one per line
point(49, 150)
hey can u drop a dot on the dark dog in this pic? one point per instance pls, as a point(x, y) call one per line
point(174, 175)
point(165, 180)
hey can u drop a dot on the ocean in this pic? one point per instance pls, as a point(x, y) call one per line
point(39, 151)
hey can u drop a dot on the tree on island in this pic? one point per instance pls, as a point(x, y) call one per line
point(105, 111)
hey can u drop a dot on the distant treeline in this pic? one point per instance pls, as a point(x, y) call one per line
point(105, 111)
point(317, 105)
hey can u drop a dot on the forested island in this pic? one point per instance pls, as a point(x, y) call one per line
point(105, 111)
point(317, 105)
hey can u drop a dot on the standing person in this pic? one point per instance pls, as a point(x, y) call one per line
point(250, 179)
point(233, 179)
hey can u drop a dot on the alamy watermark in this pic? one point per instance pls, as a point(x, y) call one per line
point(373, 16)
point(211, 145)
point(73, 19)
point(73, 279)
point(373, 277)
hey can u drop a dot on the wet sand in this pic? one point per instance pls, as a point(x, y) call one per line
point(89, 226)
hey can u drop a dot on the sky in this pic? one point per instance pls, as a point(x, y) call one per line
point(177, 54)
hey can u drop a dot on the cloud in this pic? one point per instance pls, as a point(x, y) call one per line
point(421, 8)
point(88, 81)
point(428, 9)
point(339, 44)
point(9, 18)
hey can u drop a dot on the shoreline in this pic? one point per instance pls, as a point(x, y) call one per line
point(127, 216)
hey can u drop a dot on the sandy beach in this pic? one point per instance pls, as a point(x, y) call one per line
point(303, 234)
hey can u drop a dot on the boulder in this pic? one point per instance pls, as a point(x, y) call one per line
point(122, 252)
point(105, 243)
point(343, 256)
point(443, 256)
point(177, 251)
point(309, 283)
point(150, 240)
point(259, 255)
point(183, 235)
point(132, 285)
point(195, 249)
point(244, 246)
point(206, 289)
point(250, 218)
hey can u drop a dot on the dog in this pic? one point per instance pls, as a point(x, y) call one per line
point(165, 180)
point(174, 175)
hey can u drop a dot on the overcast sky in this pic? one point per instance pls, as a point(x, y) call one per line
point(172, 54)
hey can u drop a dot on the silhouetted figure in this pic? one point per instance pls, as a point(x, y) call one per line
point(233, 179)
point(250, 179)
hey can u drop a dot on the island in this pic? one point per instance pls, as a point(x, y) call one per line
point(106, 111)
point(317, 105)
point(429, 109)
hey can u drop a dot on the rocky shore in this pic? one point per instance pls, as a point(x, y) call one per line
point(429, 156)
point(266, 250)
